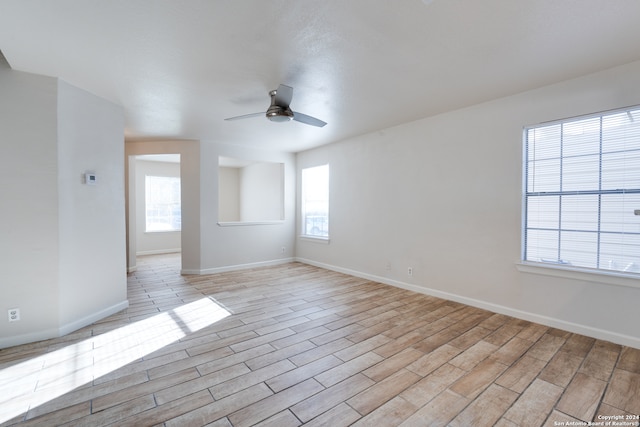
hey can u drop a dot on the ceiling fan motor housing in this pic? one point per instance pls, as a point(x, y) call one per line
point(278, 113)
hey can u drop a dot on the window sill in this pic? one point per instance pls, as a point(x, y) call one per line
point(576, 273)
point(246, 223)
point(314, 239)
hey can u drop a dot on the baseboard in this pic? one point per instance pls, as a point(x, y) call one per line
point(92, 318)
point(589, 331)
point(28, 338)
point(159, 252)
point(62, 330)
point(237, 267)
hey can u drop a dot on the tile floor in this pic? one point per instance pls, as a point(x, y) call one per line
point(294, 345)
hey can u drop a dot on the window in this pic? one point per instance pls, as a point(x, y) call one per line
point(162, 203)
point(315, 201)
point(582, 192)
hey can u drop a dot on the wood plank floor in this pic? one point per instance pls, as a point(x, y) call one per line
point(293, 345)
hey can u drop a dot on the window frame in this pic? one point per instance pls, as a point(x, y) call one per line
point(556, 267)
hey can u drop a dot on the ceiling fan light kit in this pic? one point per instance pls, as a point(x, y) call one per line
point(279, 110)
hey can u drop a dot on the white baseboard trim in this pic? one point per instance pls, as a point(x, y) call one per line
point(159, 252)
point(64, 329)
point(589, 331)
point(93, 317)
point(6, 342)
point(237, 267)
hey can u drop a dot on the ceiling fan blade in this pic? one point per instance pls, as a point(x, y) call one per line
point(308, 120)
point(283, 96)
point(246, 116)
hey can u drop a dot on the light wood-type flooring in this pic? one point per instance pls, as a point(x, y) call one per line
point(293, 345)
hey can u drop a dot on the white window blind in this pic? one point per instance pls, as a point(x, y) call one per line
point(315, 201)
point(162, 203)
point(582, 192)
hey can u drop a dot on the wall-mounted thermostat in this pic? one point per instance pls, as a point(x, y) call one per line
point(90, 178)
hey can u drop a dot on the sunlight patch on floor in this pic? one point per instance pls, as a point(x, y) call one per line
point(39, 380)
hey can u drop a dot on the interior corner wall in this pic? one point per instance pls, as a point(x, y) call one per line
point(29, 215)
point(93, 279)
point(443, 195)
point(62, 246)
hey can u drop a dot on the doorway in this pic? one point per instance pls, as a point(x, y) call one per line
point(154, 206)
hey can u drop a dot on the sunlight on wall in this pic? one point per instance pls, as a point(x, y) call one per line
point(39, 380)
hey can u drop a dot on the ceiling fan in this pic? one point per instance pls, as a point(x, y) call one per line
point(279, 110)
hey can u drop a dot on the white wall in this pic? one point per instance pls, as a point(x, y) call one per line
point(228, 194)
point(443, 195)
point(262, 192)
point(153, 243)
point(229, 247)
point(93, 280)
point(207, 246)
point(62, 243)
point(29, 199)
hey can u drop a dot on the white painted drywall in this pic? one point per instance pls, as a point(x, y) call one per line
point(93, 275)
point(29, 261)
point(229, 247)
point(262, 192)
point(443, 195)
point(62, 245)
point(228, 194)
point(161, 242)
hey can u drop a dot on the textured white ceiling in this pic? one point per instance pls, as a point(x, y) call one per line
point(180, 67)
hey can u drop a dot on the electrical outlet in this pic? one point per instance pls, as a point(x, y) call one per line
point(410, 272)
point(14, 314)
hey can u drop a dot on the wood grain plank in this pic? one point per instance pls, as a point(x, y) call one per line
point(535, 404)
point(380, 393)
point(582, 397)
point(309, 346)
point(487, 409)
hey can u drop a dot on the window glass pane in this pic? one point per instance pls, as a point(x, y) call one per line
point(162, 203)
point(580, 212)
point(620, 252)
point(543, 175)
point(581, 173)
point(315, 201)
point(543, 212)
point(621, 170)
point(579, 249)
point(581, 137)
point(542, 246)
point(543, 142)
point(621, 132)
point(617, 213)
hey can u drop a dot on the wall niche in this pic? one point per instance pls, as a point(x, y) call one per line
point(250, 192)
